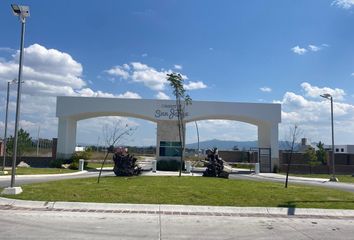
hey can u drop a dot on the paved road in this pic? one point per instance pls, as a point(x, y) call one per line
point(86, 225)
point(334, 185)
point(20, 180)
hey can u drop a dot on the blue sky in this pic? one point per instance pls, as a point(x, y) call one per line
point(281, 51)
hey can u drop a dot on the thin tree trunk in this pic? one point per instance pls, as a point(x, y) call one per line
point(179, 115)
point(104, 160)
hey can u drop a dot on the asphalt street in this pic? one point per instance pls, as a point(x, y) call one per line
point(55, 220)
point(31, 224)
point(28, 179)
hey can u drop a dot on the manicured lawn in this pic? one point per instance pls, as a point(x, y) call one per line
point(342, 178)
point(32, 171)
point(187, 190)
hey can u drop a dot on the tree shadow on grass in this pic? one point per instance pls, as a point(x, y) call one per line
point(291, 205)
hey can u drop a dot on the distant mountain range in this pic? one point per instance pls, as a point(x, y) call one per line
point(223, 144)
point(226, 145)
point(229, 145)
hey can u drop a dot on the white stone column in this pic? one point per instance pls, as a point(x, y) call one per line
point(274, 138)
point(268, 138)
point(166, 131)
point(66, 137)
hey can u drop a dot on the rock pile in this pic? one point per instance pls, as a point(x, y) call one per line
point(215, 166)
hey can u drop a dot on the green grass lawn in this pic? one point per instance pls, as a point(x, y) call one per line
point(187, 190)
point(342, 178)
point(32, 171)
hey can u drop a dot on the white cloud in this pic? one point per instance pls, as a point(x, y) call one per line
point(7, 49)
point(138, 66)
point(126, 66)
point(144, 55)
point(195, 85)
point(265, 89)
point(91, 130)
point(149, 76)
point(221, 129)
point(50, 61)
point(314, 48)
point(298, 50)
point(346, 4)
point(311, 47)
point(119, 72)
point(47, 73)
point(129, 94)
point(161, 95)
point(178, 67)
point(315, 92)
point(152, 78)
point(87, 92)
point(313, 116)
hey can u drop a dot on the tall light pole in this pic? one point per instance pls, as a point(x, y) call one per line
point(22, 12)
point(333, 177)
point(6, 117)
point(196, 126)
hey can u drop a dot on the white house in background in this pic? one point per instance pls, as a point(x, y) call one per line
point(341, 148)
point(337, 148)
point(265, 116)
point(79, 149)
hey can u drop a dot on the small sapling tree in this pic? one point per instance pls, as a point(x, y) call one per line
point(311, 157)
point(321, 153)
point(24, 143)
point(182, 99)
point(294, 134)
point(113, 134)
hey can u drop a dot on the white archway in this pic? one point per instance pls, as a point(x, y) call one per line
point(72, 109)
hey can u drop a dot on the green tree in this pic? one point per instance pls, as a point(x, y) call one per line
point(182, 99)
point(311, 156)
point(24, 143)
point(321, 153)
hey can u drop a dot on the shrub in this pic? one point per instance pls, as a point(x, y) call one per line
point(56, 163)
point(74, 165)
point(76, 157)
point(81, 155)
point(169, 165)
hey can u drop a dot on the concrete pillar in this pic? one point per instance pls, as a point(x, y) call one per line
point(66, 137)
point(268, 138)
point(166, 131)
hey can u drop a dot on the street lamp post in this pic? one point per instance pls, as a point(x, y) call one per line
point(6, 117)
point(22, 12)
point(196, 125)
point(333, 177)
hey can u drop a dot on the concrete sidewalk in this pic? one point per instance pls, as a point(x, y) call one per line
point(43, 175)
point(14, 204)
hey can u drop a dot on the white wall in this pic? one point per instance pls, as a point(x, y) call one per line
point(72, 109)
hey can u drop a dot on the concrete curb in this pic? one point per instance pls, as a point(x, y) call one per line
point(43, 175)
point(178, 209)
point(302, 179)
point(282, 177)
